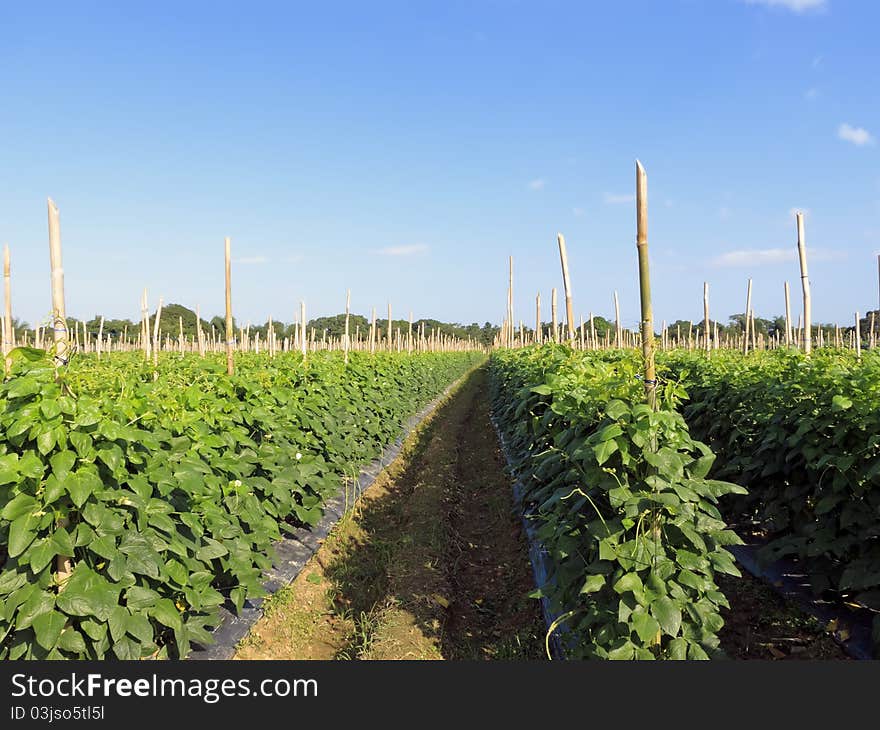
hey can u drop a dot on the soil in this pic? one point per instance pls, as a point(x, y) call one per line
point(431, 563)
point(760, 624)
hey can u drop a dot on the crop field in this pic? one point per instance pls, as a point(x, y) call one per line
point(158, 500)
point(573, 490)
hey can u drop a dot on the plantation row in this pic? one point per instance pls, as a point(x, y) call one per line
point(626, 510)
point(135, 500)
point(803, 434)
point(623, 504)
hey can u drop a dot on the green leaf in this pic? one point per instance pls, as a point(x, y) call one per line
point(71, 640)
point(646, 626)
point(21, 534)
point(139, 626)
point(87, 594)
point(593, 583)
point(48, 627)
point(30, 465)
point(19, 505)
point(542, 389)
point(629, 582)
point(840, 403)
point(166, 613)
point(678, 649)
point(604, 449)
point(667, 614)
point(117, 622)
point(111, 456)
point(40, 602)
point(138, 598)
point(210, 550)
point(40, 554)
point(46, 441)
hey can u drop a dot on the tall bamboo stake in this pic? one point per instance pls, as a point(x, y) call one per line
point(553, 316)
point(805, 283)
point(563, 259)
point(617, 328)
point(645, 284)
point(230, 364)
point(8, 333)
point(100, 337)
point(157, 342)
point(747, 313)
point(302, 318)
point(388, 334)
point(346, 344)
point(707, 340)
point(59, 316)
point(538, 333)
point(787, 316)
point(857, 333)
point(200, 334)
point(593, 344)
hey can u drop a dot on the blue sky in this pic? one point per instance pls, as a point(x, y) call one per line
point(404, 150)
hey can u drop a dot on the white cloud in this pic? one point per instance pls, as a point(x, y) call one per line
point(251, 260)
point(859, 136)
point(410, 250)
point(537, 184)
point(768, 256)
point(578, 212)
point(811, 94)
point(796, 6)
point(616, 198)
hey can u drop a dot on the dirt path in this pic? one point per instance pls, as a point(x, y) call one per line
point(431, 564)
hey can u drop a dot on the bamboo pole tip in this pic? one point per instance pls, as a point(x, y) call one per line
point(52, 205)
point(640, 169)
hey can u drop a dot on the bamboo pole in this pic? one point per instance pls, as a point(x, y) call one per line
point(787, 316)
point(748, 310)
point(617, 330)
point(857, 333)
point(200, 334)
point(645, 284)
point(100, 337)
point(8, 332)
point(388, 333)
point(593, 344)
point(59, 316)
point(553, 317)
point(563, 259)
point(157, 342)
point(805, 283)
point(538, 333)
point(373, 333)
point(707, 339)
point(346, 344)
point(510, 325)
point(303, 343)
point(871, 338)
point(230, 365)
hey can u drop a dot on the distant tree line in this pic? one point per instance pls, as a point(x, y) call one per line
point(172, 314)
